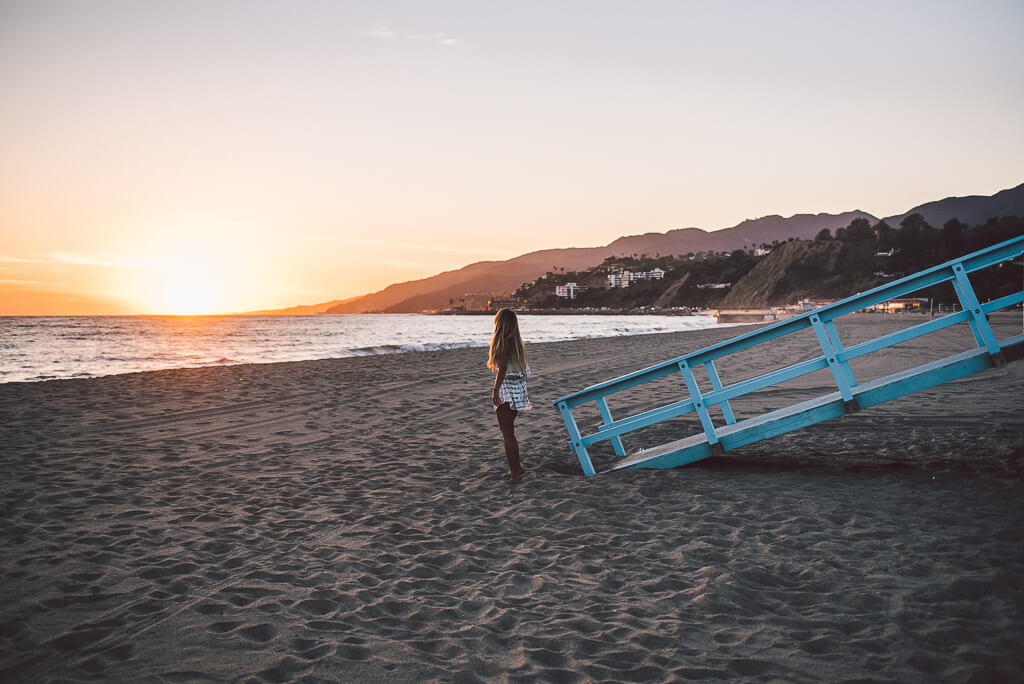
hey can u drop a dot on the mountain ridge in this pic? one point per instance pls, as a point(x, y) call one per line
point(971, 209)
point(501, 277)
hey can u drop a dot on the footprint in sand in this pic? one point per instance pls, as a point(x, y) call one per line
point(319, 607)
point(260, 633)
point(222, 627)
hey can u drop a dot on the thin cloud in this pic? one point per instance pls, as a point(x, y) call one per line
point(379, 32)
point(103, 259)
point(108, 260)
point(438, 37)
point(78, 259)
point(20, 260)
point(32, 283)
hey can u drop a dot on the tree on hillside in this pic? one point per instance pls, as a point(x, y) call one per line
point(859, 230)
point(823, 235)
point(884, 236)
point(912, 229)
point(953, 238)
point(993, 231)
point(918, 244)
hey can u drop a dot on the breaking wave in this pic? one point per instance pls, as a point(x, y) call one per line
point(49, 348)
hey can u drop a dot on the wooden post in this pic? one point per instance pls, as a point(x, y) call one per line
point(716, 384)
point(576, 439)
point(698, 403)
point(837, 344)
point(606, 416)
point(979, 324)
point(842, 378)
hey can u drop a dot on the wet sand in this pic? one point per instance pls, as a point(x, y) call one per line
point(347, 520)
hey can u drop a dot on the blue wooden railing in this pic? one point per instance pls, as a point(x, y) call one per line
point(849, 395)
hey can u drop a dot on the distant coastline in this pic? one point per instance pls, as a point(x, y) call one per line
point(642, 311)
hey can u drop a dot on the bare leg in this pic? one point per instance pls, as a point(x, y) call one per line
point(506, 422)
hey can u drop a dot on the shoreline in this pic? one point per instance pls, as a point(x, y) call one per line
point(1005, 318)
point(347, 520)
point(90, 348)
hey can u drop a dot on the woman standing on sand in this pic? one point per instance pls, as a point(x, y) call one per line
point(507, 359)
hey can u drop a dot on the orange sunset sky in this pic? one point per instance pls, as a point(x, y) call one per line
point(198, 157)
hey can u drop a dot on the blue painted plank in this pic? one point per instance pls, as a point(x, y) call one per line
point(640, 420)
point(972, 306)
point(925, 376)
point(828, 349)
point(785, 421)
point(672, 459)
point(606, 416)
point(678, 452)
point(775, 377)
point(904, 335)
point(716, 384)
point(576, 440)
point(702, 410)
point(842, 364)
point(1003, 302)
point(618, 384)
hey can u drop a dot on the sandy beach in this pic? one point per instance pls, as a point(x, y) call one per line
point(348, 521)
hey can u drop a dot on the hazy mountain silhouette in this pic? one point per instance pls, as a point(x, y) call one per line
point(972, 210)
point(500, 277)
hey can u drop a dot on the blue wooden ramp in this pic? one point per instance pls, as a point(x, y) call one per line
point(845, 396)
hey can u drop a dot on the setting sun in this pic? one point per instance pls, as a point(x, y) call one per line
point(182, 291)
point(189, 295)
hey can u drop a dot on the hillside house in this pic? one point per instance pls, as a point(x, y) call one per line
point(568, 290)
point(624, 278)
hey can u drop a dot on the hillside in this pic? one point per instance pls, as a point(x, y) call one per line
point(819, 269)
point(503, 277)
point(859, 258)
point(833, 269)
point(972, 209)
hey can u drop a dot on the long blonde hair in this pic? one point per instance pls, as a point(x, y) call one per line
point(507, 342)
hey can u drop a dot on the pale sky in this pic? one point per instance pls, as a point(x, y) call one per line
point(197, 156)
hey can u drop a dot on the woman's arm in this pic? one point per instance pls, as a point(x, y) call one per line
point(499, 378)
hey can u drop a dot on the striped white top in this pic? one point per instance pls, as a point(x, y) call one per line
point(513, 390)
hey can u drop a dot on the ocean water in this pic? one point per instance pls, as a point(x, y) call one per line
point(49, 348)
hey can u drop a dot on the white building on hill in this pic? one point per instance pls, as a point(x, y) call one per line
point(568, 290)
point(624, 278)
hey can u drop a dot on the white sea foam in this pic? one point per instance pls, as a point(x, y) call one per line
point(46, 348)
